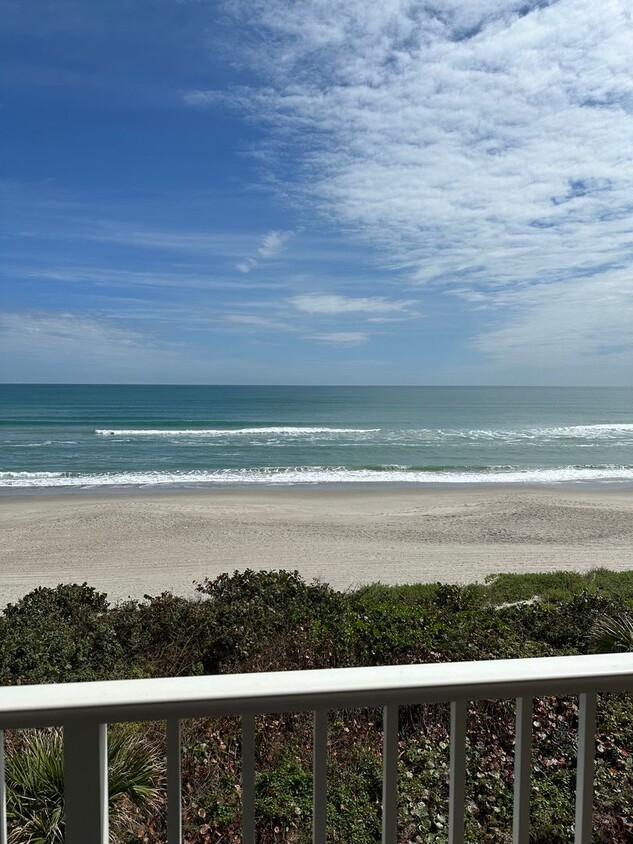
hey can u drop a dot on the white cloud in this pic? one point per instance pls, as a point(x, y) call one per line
point(332, 304)
point(255, 321)
point(77, 347)
point(271, 245)
point(247, 319)
point(65, 346)
point(273, 242)
point(64, 329)
point(117, 277)
point(579, 323)
point(483, 146)
point(344, 338)
point(192, 242)
point(246, 265)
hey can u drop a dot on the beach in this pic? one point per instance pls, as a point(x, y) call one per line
point(129, 544)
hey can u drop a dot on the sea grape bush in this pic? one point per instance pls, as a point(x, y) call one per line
point(256, 621)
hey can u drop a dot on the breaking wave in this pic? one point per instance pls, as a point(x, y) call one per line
point(288, 476)
point(589, 433)
point(223, 432)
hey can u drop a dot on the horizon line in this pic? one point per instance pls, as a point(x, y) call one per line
point(330, 386)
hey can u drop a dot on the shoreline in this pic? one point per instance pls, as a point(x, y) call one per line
point(137, 542)
point(593, 486)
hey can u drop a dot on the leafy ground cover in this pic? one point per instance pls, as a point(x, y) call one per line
point(267, 621)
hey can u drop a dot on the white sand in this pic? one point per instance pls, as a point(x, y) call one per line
point(137, 543)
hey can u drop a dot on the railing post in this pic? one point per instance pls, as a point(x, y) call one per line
point(457, 794)
point(174, 783)
point(584, 771)
point(319, 777)
point(248, 779)
point(3, 793)
point(86, 782)
point(522, 771)
point(390, 775)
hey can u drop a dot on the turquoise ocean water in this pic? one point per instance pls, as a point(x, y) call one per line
point(129, 436)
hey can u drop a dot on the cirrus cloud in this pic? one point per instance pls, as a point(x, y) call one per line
point(343, 338)
point(333, 304)
point(482, 147)
point(271, 245)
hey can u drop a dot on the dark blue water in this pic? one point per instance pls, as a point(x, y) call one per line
point(92, 436)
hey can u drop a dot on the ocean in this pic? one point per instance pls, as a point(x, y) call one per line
point(90, 437)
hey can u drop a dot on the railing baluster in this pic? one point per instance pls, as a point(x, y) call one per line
point(522, 771)
point(248, 779)
point(457, 795)
point(174, 783)
point(390, 775)
point(584, 771)
point(3, 793)
point(86, 782)
point(319, 777)
point(82, 706)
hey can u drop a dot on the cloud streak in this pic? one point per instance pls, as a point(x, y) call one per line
point(271, 245)
point(342, 338)
point(580, 322)
point(65, 346)
point(483, 147)
point(117, 277)
point(334, 305)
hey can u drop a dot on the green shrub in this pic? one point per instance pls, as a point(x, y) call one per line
point(57, 635)
point(272, 620)
point(168, 636)
point(253, 621)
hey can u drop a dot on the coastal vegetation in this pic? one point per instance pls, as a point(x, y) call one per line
point(35, 783)
point(268, 621)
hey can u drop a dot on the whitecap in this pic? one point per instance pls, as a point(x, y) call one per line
point(288, 476)
point(227, 432)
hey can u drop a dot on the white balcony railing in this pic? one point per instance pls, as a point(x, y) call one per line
point(85, 709)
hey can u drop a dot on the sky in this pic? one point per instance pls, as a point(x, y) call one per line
point(316, 192)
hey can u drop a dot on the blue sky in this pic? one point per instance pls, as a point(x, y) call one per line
point(333, 191)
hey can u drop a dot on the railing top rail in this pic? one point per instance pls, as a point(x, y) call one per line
point(128, 700)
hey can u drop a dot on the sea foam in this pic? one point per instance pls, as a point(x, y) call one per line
point(598, 432)
point(223, 432)
point(288, 476)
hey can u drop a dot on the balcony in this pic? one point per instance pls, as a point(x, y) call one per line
point(85, 709)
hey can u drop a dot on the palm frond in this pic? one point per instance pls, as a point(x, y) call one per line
point(612, 634)
point(34, 776)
